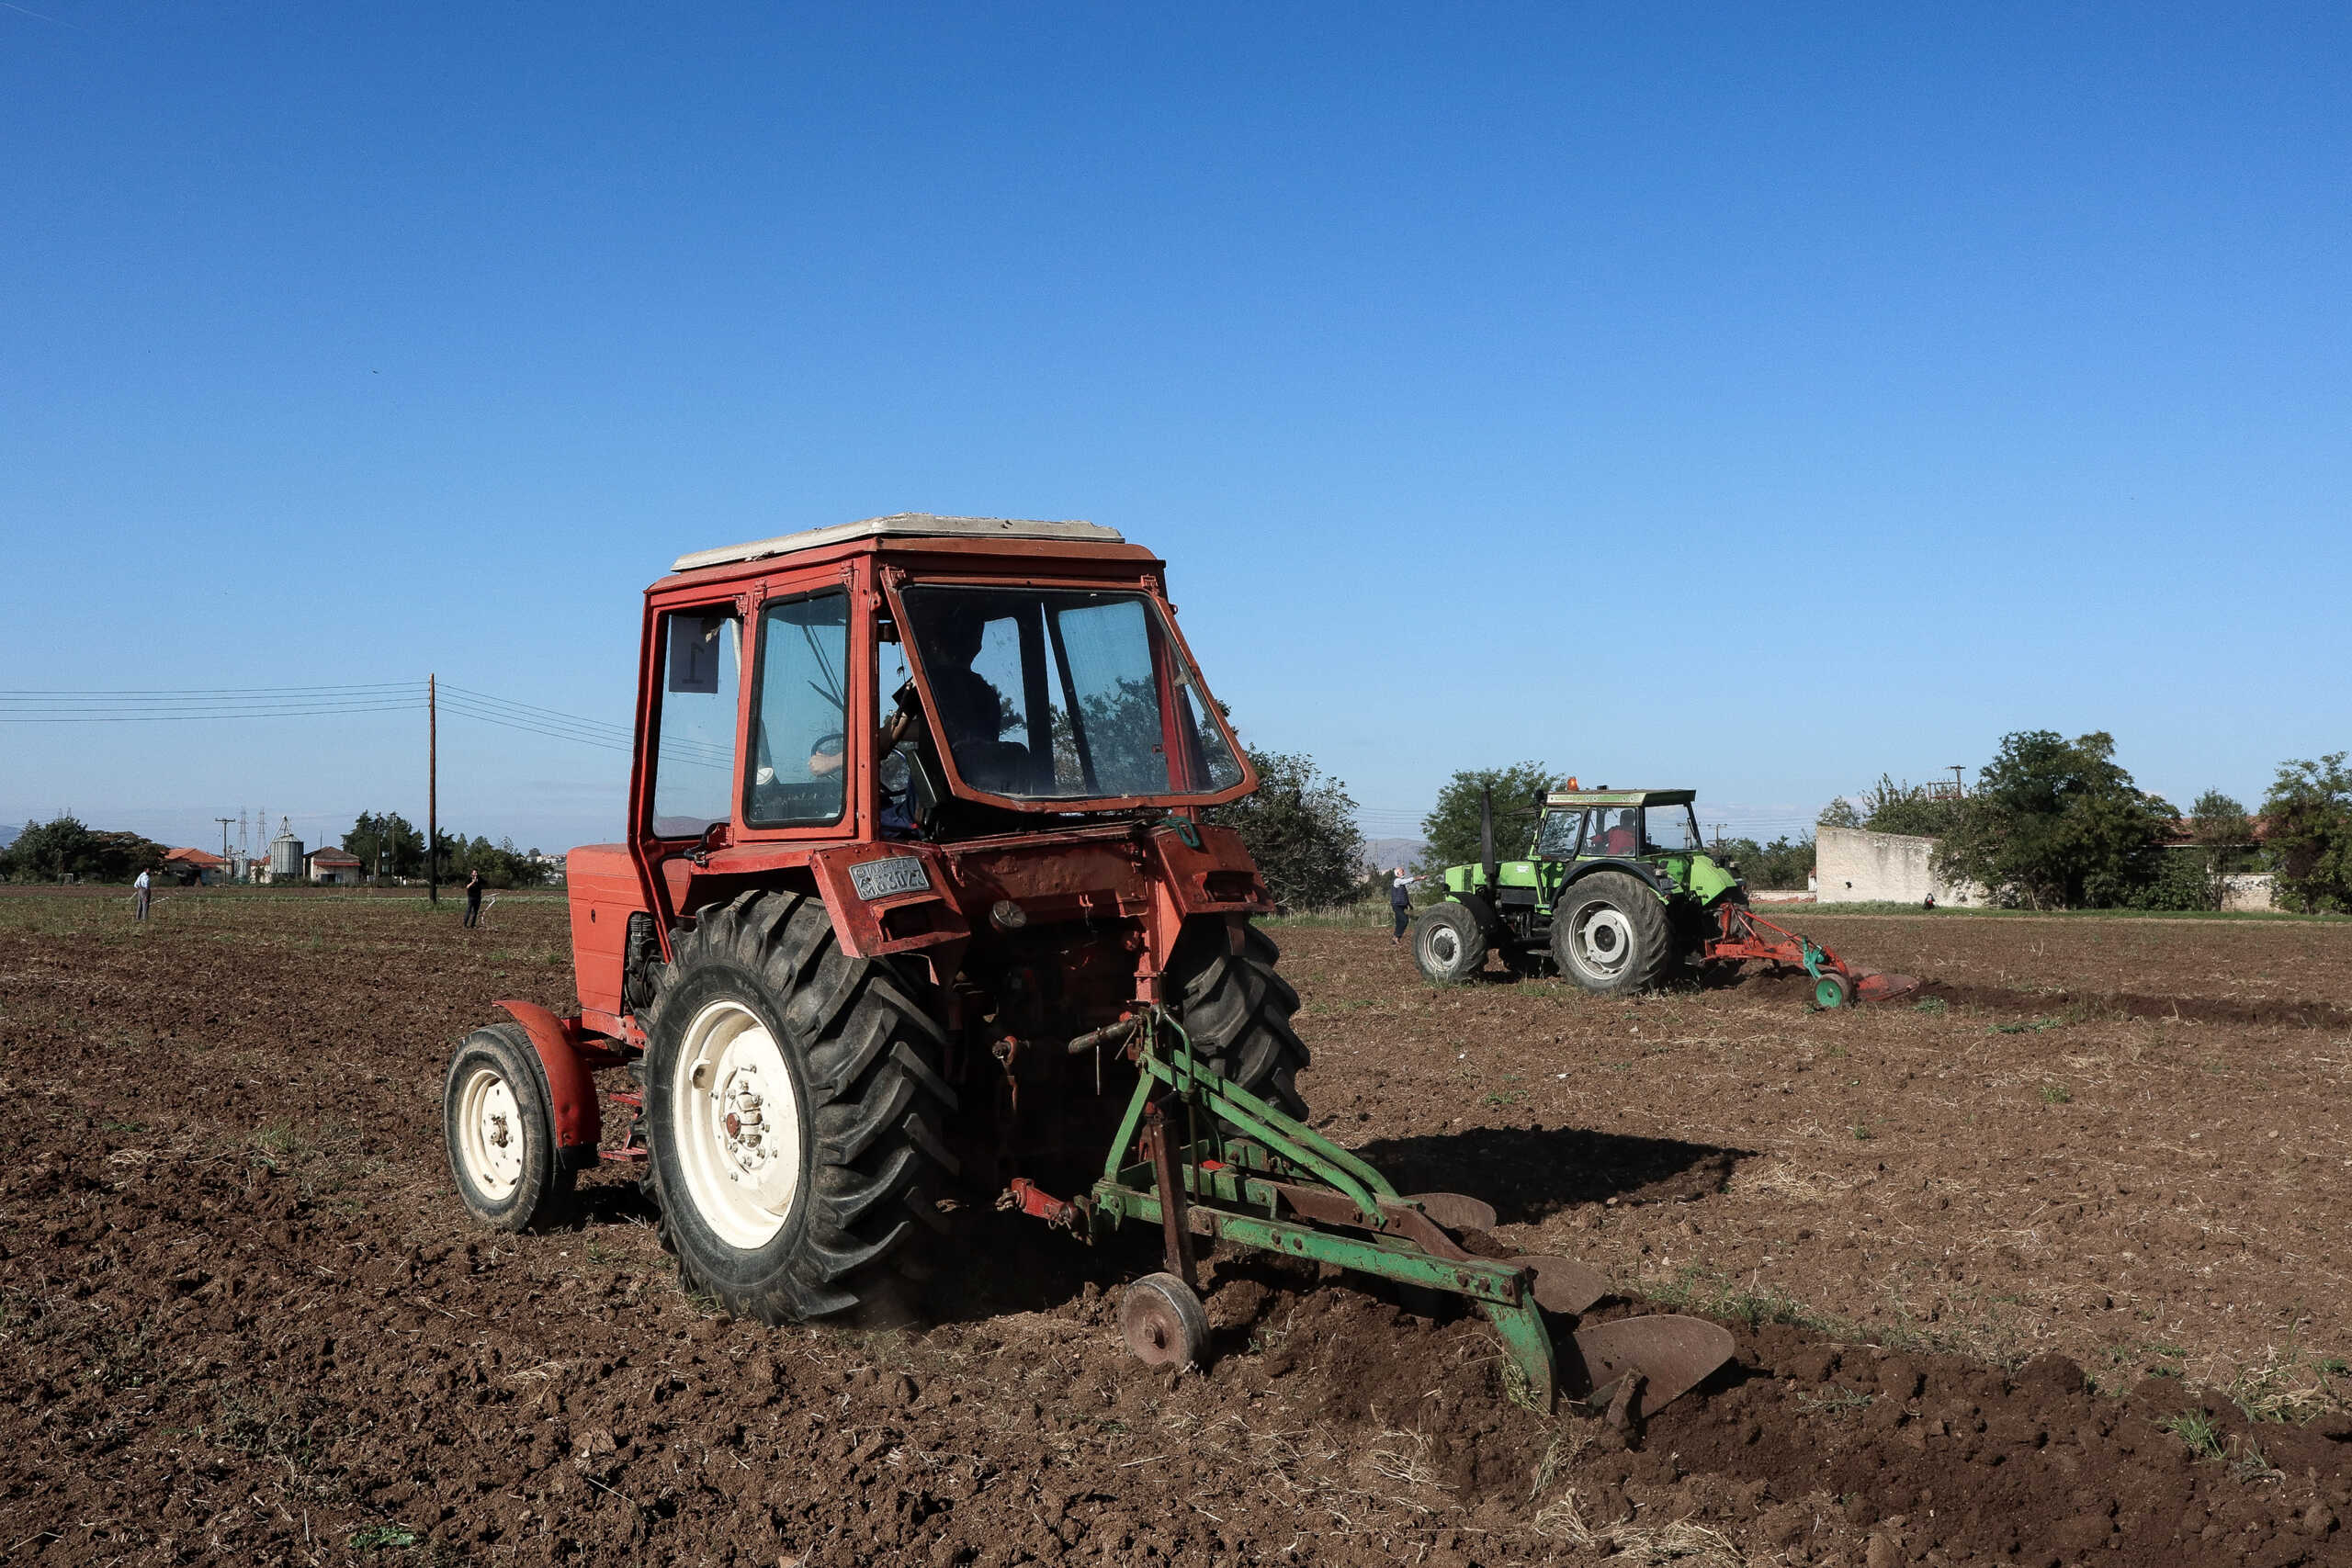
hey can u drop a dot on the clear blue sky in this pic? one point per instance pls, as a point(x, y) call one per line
point(1757, 399)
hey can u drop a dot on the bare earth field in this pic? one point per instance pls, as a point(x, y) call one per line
point(2049, 1267)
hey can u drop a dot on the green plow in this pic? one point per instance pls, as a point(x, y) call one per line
point(1199, 1156)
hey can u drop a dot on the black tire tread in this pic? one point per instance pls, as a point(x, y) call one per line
point(1238, 1011)
point(1641, 907)
point(543, 1200)
point(866, 1040)
point(1465, 921)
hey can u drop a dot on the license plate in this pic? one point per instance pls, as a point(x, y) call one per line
point(880, 878)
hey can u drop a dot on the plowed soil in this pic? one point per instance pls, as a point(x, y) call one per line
point(2043, 1264)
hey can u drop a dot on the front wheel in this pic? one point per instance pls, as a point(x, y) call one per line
point(1448, 947)
point(501, 1136)
point(1610, 934)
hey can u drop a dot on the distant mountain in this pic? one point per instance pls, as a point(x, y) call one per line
point(1387, 853)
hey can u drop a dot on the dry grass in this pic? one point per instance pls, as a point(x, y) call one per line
point(1679, 1540)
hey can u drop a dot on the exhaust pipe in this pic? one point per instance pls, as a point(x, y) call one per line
point(1487, 861)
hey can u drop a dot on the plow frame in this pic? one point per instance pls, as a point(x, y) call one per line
point(1245, 1172)
point(1836, 982)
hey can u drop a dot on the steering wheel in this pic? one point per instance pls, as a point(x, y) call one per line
point(831, 745)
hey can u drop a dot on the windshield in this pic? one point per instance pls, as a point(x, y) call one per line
point(1555, 836)
point(1056, 694)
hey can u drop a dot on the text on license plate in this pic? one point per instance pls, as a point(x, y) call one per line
point(880, 878)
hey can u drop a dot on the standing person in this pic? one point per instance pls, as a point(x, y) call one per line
point(473, 901)
point(139, 896)
point(1400, 904)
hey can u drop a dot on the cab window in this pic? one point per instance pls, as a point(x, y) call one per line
point(1556, 837)
point(1670, 830)
point(693, 755)
point(1612, 831)
point(800, 715)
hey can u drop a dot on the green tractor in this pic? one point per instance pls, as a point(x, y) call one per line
point(1614, 887)
point(1617, 892)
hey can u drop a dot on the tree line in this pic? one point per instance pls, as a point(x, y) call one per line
point(2059, 824)
point(389, 846)
point(65, 849)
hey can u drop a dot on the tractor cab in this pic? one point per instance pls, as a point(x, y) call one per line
point(1656, 827)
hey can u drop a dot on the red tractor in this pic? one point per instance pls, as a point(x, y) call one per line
point(917, 896)
point(916, 802)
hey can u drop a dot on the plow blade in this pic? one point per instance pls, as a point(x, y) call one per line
point(1668, 1354)
point(1563, 1284)
point(1455, 1210)
point(1870, 986)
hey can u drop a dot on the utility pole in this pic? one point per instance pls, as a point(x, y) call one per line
point(224, 822)
point(1719, 827)
point(1958, 788)
point(432, 789)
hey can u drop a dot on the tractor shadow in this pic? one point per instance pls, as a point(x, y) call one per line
point(1532, 1173)
point(997, 1262)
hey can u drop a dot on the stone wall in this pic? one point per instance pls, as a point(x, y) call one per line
point(1857, 867)
point(2251, 890)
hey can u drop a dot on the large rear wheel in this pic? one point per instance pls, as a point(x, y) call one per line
point(793, 1103)
point(1610, 934)
point(1238, 1011)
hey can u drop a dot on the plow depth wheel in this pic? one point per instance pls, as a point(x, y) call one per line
point(1831, 991)
point(1610, 935)
point(1162, 1322)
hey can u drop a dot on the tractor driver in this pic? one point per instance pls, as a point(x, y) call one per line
point(970, 714)
point(970, 708)
point(1622, 838)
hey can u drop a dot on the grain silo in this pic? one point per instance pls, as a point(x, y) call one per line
point(285, 854)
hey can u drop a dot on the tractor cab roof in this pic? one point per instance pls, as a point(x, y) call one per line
point(902, 524)
point(1572, 799)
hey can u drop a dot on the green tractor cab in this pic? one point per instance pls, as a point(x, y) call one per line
point(1615, 887)
point(1616, 891)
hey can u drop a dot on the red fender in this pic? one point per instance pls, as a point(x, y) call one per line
point(571, 1092)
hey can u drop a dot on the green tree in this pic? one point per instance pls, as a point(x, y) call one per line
point(1891, 807)
point(1785, 862)
point(2056, 824)
point(1450, 828)
point(116, 856)
point(2308, 820)
point(1300, 828)
point(387, 845)
point(64, 846)
point(2219, 826)
point(1838, 813)
point(50, 851)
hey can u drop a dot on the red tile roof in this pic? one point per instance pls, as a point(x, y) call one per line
point(202, 860)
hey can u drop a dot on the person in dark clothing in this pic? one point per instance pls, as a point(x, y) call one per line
point(1400, 904)
point(473, 901)
point(969, 706)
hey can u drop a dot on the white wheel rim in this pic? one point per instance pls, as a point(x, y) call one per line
point(490, 1133)
point(1443, 946)
point(1603, 940)
point(736, 1120)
